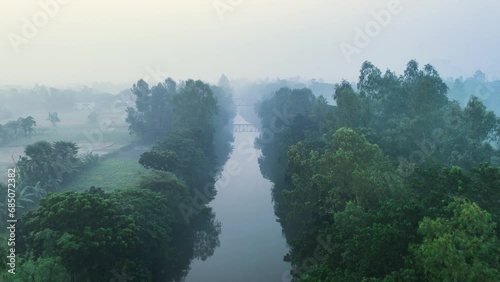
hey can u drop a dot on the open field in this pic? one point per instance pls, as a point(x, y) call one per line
point(109, 134)
point(110, 174)
point(115, 170)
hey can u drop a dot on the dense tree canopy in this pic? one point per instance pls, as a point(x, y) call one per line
point(394, 173)
point(141, 232)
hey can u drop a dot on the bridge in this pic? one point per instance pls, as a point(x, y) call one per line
point(245, 127)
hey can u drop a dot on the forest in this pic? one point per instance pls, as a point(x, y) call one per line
point(138, 231)
point(395, 177)
point(394, 181)
point(250, 141)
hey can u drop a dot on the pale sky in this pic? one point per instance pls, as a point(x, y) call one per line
point(86, 41)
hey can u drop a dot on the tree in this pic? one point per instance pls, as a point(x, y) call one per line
point(48, 164)
point(352, 110)
point(27, 125)
point(195, 95)
point(370, 80)
point(168, 185)
point(53, 118)
point(152, 216)
point(463, 247)
point(332, 178)
point(186, 153)
point(90, 233)
point(151, 119)
point(481, 123)
point(223, 122)
point(356, 171)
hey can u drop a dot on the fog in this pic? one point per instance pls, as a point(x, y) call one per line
point(249, 140)
point(119, 41)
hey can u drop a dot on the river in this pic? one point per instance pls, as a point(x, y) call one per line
point(251, 242)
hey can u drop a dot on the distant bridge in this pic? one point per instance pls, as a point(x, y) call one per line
point(244, 102)
point(245, 127)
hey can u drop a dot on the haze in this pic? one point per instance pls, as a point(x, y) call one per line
point(117, 41)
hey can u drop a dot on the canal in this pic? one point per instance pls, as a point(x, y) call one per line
point(251, 242)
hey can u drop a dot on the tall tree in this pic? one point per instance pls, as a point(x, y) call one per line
point(27, 125)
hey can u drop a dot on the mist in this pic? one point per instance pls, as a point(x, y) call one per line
point(249, 140)
point(89, 41)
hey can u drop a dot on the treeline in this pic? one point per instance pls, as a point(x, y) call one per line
point(253, 93)
point(14, 129)
point(478, 85)
point(394, 183)
point(154, 229)
point(43, 98)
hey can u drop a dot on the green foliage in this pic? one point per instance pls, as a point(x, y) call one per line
point(169, 185)
point(48, 164)
point(111, 174)
point(463, 247)
point(86, 230)
point(350, 169)
point(27, 125)
point(44, 269)
point(223, 125)
point(138, 233)
point(367, 171)
point(196, 239)
point(352, 110)
point(88, 160)
point(151, 119)
point(151, 214)
point(197, 143)
point(166, 107)
point(10, 130)
point(195, 95)
point(184, 153)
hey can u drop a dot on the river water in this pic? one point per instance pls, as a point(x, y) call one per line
point(251, 242)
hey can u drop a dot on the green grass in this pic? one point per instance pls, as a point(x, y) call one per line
point(109, 174)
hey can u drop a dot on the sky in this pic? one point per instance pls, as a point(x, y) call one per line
point(68, 42)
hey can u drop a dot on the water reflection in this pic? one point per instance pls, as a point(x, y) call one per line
point(251, 243)
point(198, 240)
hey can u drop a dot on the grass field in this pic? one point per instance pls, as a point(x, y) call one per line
point(87, 138)
point(108, 174)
